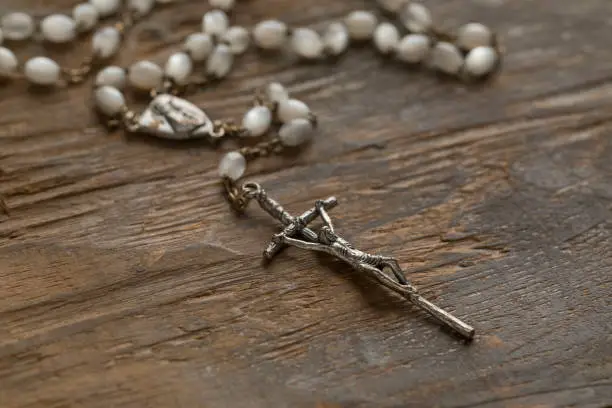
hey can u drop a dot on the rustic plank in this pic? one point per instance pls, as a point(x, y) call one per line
point(127, 281)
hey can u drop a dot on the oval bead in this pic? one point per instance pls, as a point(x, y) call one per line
point(292, 109)
point(270, 34)
point(386, 38)
point(416, 17)
point(111, 76)
point(307, 43)
point(109, 100)
point(361, 24)
point(296, 132)
point(106, 7)
point(474, 35)
point(447, 58)
point(145, 75)
point(220, 61)
point(257, 121)
point(141, 7)
point(232, 166)
point(106, 41)
point(481, 61)
point(85, 16)
point(413, 48)
point(237, 38)
point(58, 28)
point(199, 46)
point(276, 92)
point(8, 61)
point(17, 26)
point(178, 68)
point(225, 5)
point(215, 22)
point(336, 39)
point(42, 71)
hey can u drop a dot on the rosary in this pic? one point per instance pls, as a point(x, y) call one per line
point(405, 32)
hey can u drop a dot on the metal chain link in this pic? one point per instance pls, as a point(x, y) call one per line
point(262, 149)
point(236, 195)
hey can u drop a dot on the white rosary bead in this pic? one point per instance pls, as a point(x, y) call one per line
point(178, 68)
point(109, 100)
point(447, 58)
point(42, 71)
point(106, 41)
point(270, 34)
point(86, 16)
point(474, 35)
point(106, 7)
point(232, 166)
point(17, 26)
point(307, 43)
point(145, 75)
point(8, 61)
point(416, 18)
point(392, 6)
point(296, 132)
point(276, 92)
point(413, 48)
point(257, 120)
point(220, 61)
point(58, 28)
point(480, 61)
point(361, 24)
point(215, 22)
point(111, 76)
point(336, 39)
point(225, 5)
point(386, 37)
point(237, 38)
point(292, 109)
point(199, 46)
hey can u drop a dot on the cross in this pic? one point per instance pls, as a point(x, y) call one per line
point(329, 242)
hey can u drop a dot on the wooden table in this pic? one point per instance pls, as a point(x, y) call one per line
point(126, 281)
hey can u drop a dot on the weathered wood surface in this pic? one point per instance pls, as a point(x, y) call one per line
point(127, 282)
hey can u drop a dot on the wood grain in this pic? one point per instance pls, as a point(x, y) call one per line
point(127, 281)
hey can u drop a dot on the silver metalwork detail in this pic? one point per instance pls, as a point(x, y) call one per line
point(171, 117)
point(296, 233)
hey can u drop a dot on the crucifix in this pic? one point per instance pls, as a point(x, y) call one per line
point(386, 270)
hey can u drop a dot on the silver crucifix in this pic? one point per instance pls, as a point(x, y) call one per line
point(384, 269)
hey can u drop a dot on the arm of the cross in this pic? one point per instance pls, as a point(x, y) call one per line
point(299, 225)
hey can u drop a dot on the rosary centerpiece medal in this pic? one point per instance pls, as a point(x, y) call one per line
point(171, 117)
